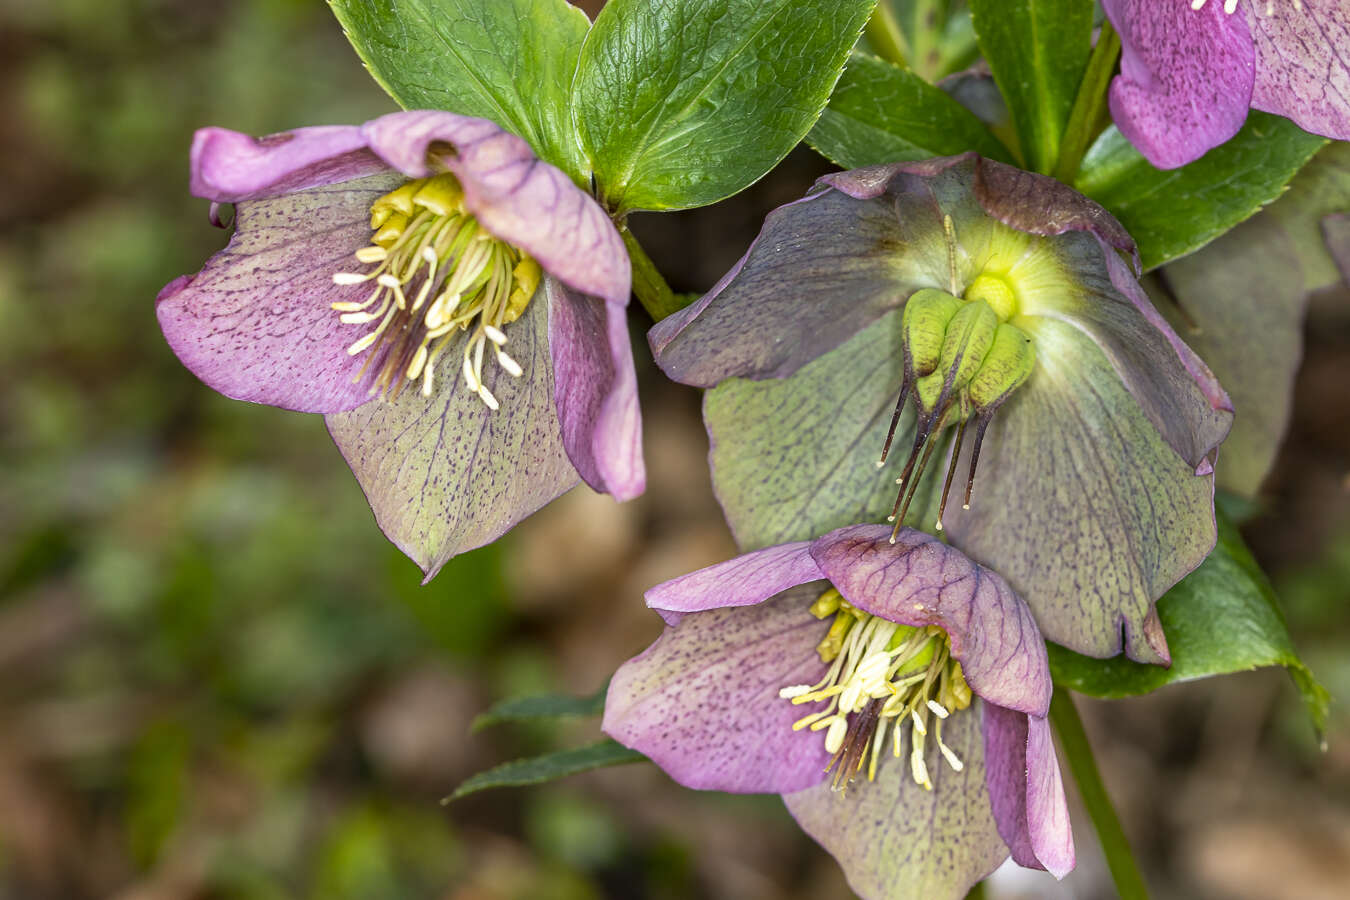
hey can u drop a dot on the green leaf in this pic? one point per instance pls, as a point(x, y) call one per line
point(685, 102)
point(1037, 50)
point(1221, 618)
point(1175, 212)
point(541, 706)
point(880, 113)
point(550, 766)
point(511, 61)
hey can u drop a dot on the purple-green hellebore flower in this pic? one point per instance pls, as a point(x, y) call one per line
point(1190, 70)
point(894, 693)
point(453, 305)
point(994, 298)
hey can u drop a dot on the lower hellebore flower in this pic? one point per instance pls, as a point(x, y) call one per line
point(453, 305)
point(894, 693)
point(1190, 69)
point(976, 294)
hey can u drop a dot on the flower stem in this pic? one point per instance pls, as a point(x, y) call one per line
point(1074, 742)
point(649, 286)
point(883, 31)
point(1086, 117)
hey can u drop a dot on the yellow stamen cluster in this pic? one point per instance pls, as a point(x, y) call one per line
point(882, 675)
point(437, 273)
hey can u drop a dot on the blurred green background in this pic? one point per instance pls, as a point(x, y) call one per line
point(218, 680)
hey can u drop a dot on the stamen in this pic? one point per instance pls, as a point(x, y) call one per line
point(372, 254)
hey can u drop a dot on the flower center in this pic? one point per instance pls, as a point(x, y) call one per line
point(882, 676)
point(436, 273)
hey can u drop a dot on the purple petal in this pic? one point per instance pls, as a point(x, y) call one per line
point(1081, 505)
point(256, 322)
point(1303, 63)
point(1185, 79)
point(744, 581)
point(445, 474)
point(919, 580)
point(518, 197)
point(896, 840)
point(1026, 790)
point(228, 166)
point(703, 701)
point(821, 269)
point(1035, 204)
point(1173, 386)
point(595, 389)
point(1336, 232)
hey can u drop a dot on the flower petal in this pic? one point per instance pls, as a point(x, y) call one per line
point(1026, 790)
point(918, 580)
point(228, 167)
point(1080, 504)
point(595, 389)
point(897, 841)
point(822, 269)
point(1303, 63)
point(744, 581)
point(1185, 79)
point(518, 197)
point(1173, 386)
point(445, 474)
point(256, 323)
point(703, 700)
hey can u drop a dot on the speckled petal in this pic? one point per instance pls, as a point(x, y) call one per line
point(1303, 62)
point(595, 389)
point(702, 702)
point(1026, 790)
point(897, 841)
point(919, 580)
point(1185, 80)
point(228, 167)
point(822, 269)
point(256, 323)
point(1081, 505)
point(518, 197)
point(445, 474)
point(1173, 386)
point(744, 581)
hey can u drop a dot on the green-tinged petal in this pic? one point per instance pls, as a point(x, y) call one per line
point(1322, 188)
point(796, 457)
point(895, 840)
point(445, 474)
point(1081, 505)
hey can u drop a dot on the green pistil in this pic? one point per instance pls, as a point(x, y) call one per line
point(437, 273)
point(883, 675)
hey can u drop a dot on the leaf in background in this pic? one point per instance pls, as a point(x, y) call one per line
point(510, 61)
point(541, 706)
point(685, 102)
point(880, 113)
point(1221, 618)
point(550, 766)
point(1175, 212)
point(1037, 50)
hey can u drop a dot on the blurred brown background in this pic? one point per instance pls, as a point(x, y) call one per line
point(218, 680)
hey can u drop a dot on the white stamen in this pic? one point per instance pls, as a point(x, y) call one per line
point(496, 335)
point(488, 400)
point(470, 379)
point(418, 361)
point(834, 738)
point(938, 709)
point(386, 280)
point(794, 690)
point(347, 278)
point(371, 255)
point(919, 725)
point(509, 364)
point(362, 344)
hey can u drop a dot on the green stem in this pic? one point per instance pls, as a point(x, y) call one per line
point(650, 288)
point(976, 892)
point(1087, 118)
point(1078, 752)
point(883, 32)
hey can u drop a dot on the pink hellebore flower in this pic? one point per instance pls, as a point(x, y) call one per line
point(1190, 69)
point(383, 275)
point(805, 669)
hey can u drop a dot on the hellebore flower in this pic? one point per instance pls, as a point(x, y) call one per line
point(1094, 493)
point(383, 275)
point(1190, 69)
point(805, 669)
